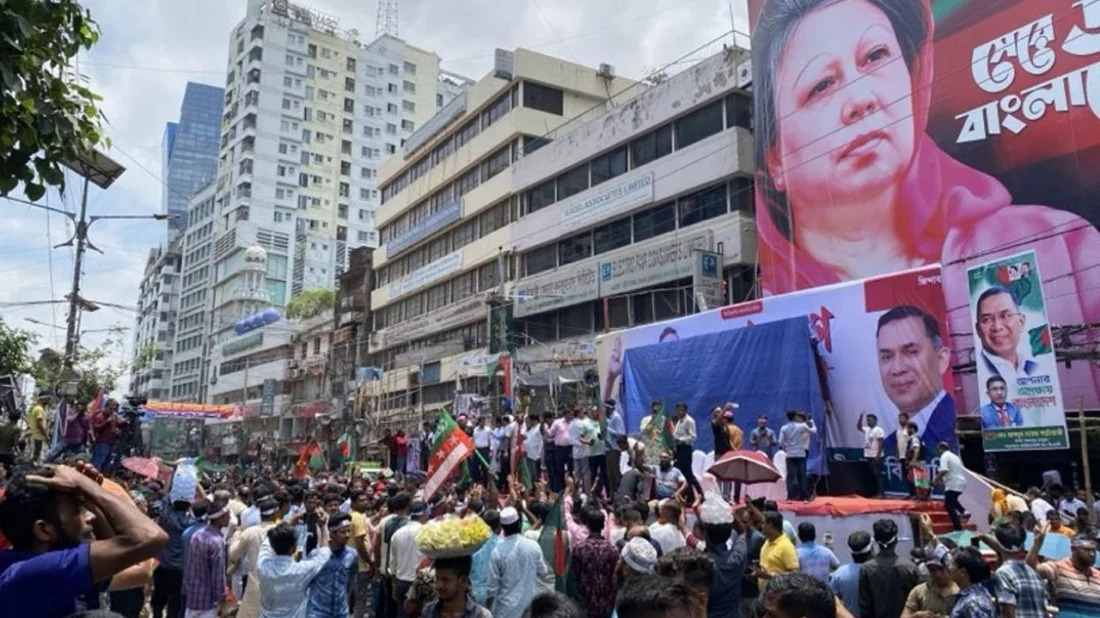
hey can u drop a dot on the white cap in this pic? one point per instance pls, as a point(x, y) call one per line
point(508, 516)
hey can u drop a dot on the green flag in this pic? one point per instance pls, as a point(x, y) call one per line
point(554, 542)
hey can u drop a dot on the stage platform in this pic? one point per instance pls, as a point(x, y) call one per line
point(849, 506)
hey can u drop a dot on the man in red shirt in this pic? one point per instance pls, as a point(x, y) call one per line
point(104, 431)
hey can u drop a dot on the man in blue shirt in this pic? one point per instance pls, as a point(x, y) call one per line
point(479, 569)
point(999, 412)
point(330, 589)
point(845, 580)
point(814, 560)
point(53, 565)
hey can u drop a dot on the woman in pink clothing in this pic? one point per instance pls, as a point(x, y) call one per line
point(849, 185)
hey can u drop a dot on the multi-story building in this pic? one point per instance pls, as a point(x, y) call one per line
point(154, 329)
point(614, 207)
point(189, 359)
point(446, 217)
point(310, 114)
point(189, 150)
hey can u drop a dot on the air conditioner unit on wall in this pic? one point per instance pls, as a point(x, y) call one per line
point(606, 71)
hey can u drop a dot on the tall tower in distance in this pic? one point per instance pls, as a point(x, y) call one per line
point(386, 22)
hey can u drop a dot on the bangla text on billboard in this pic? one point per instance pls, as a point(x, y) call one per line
point(931, 131)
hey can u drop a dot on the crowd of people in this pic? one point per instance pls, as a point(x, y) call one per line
point(569, 537)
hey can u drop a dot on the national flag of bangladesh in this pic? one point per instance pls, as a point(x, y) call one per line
point(449, 449)
point(520, 470)
point(554, 543)
point(344, 445)
point(659, 430)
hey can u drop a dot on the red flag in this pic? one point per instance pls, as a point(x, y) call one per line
point(506, 364)
point(451, 447)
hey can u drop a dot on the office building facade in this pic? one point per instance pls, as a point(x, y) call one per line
point(448, 207)
point(189, 150)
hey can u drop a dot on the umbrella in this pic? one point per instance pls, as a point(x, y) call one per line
point(744, 468)
point(149, 468)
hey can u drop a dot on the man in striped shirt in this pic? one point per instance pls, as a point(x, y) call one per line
point(1076, 581)
point(204, 580)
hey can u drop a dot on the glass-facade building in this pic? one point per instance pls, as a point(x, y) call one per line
point(190, 150)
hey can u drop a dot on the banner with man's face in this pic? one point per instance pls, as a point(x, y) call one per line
point(882, 342)
point(893, 133)
point(1021, 405)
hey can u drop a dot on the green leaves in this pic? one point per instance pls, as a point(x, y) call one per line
point(310, 303)
point(46, 116)
point(15, 346)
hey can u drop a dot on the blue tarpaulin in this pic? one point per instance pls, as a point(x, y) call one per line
point(766, 368)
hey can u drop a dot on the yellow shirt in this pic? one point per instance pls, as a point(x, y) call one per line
point(736, 436)
point(37, 412)
point(778, 557)
point(360, 527)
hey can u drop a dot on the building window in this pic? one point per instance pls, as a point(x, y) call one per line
point(541, 196)
point(408, 87)
point(575, 248)
point(497, 163)
point(573, 182)
point(467, 133)
point(608, 166)
point(410, 68)
point(738, 111)
point(611, 236)
point(494, 218)
point(654, 222)
point(741, 197)
point(575, 320)
point(543, 98)
point(705, 204)
point(699, 124)
point(653, 145)
point(541, 259)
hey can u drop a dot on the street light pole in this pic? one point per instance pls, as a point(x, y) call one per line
point(71, 336)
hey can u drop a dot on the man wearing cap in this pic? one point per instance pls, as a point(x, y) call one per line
point(1020, 592)
point(885, 582)
point(637, 557)
point(845, 580)
point(514, 569)
point(404, 556)
point(244, 555)
point(794, 439)
point(935, 597)
point(724, 597)
point(330, 590)
point(1075, 580)
point(204, 580)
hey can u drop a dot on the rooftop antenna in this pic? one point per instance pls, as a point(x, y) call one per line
point(386, 22)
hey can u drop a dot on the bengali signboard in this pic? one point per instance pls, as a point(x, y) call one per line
point(247, 342)
point(648, 265)
point(1021, 401)
point(426, 274)
point(438, 220)
point(267, 403)
point(565, 286)
point(970, 131)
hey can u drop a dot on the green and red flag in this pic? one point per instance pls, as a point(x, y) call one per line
point(554, 542)
point(450, 448)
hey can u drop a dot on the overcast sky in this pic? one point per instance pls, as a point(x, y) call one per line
point(149, 50)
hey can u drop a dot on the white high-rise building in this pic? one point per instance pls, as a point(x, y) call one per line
point(310, 114)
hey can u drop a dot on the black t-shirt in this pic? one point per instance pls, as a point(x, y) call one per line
point(721, 438)
point(631, 485)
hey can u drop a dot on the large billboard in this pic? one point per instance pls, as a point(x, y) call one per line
point(893, 133)
point(1021, 401)
point(891, 327)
